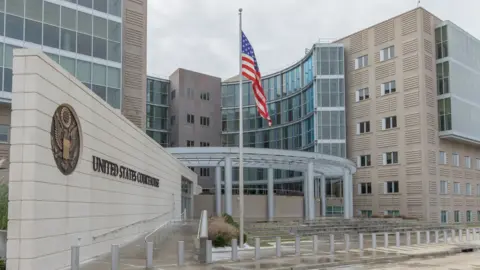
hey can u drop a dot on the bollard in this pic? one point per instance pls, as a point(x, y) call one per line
point(453, 236)
point(374, 240)
point(347, 242)
point(208, 256)
point(257, 248)
point(115, 258)
point(385, 240)
point(278, 247)
point(297, 245)
point(474, 234)
point(149, 255)
point(409, 236)
point(468, 234)
point(315, 243)
point(436, 237)
point(427, 237)
point(445, 236)
point(460, 235)
point(332, 244)
point(234, 246)
point(181, 253)
point(397, 239)
point(75, 258)
point(360, 241)
point(418, 238)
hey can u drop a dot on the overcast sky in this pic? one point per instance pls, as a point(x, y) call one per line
point(202, 35)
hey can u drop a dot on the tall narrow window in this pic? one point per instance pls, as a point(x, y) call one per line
point(361, 61)
point(387, 53)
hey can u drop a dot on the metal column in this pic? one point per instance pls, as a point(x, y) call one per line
point(270, 194)
point(218, 190)
point(311, 199)
point(228, 185)
point(346, 200)
point(323, 195)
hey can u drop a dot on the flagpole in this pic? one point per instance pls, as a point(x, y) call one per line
point(240, 135)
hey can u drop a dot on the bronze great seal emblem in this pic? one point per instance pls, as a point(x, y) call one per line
point(65, 139)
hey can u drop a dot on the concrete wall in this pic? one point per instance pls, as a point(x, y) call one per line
point(50, 211)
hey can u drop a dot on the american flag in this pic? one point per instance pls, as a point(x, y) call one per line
point(251, 71)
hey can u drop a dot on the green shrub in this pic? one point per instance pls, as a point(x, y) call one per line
point(2, 265)
point(3, 207)
point(219, 241)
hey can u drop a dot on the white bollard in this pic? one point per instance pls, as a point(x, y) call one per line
point(474, 234)
point(360, 241)
point(374, 240)
point(436, 237)
point(115, 257)
point(460, 235)
point(149, 254)
point(209, 252)
point(315, 243)
point(445, 236)
point(234, 250)
point(75, 258)
point(409, 238)
point(397, 239)
point(453, 236)
point(418, 238)
point(181, 253)
point(278, 247)
point(347, 242)
point(468, 234)
point(385, 240)
point(332, 244)
point(427, 237)
point(297, 245)
point(257, 248)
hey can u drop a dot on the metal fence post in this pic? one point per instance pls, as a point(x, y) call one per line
point(332, 244)
point(75, 258)
point(397, 239)
point(374, 240)
point(234, 250)
point(181, 253)
point(347, 242)
point(115, 258)
point(278, 246)
point(149, 254)
point(418, 238)
point(436, 237)
point(385, 240)
point(468, 234)
point(409, 238)
point(427, 234)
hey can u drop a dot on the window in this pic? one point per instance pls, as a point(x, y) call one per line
point(443, 187)
point(204, 121)
point(114, 7)
point(468, 162)
point(68, 40)
point(191, 118)
point(443, 73)
point(14, 27)
point(204, 144)
point(365, 188)
point(441, 43)
point(442, 158)
point(172, 120)
point(99, 48)
point(190, 143)
point(456, 188)
point(114, 31)
point(51, 36)
point(173, 94)
point(362, 94)
point(387, 53)
point(361, 62)
point(391, 187)
point(388, 88)
point(390, 158)
point(84, 44)
point(363, 127)
point(4, 133)
point(33, 9)
point(84, 71)
point(455, 159)
point(51, 13)
point(85, 3)
point(444, 114)
point(456, 216)
point(204, 171)
point(366, 213)
point(15, 7)
point(33, 32)
point(84, 23)
point(114, 53)
point(469, 216)
point(100, 5)
point(69, 18)
point(389, 122)
point(364, 161)
point(205, 96)
point(392, 213)
point(443, 216)
point(468, 189)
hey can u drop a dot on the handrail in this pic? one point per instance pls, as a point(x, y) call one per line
point(182, 217)
point(128, 226)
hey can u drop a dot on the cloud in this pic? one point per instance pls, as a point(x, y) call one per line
point(202, 35)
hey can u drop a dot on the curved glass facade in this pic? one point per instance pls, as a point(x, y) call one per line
point(306, 102)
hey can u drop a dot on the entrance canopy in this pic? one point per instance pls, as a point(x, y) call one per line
point(329, 166)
